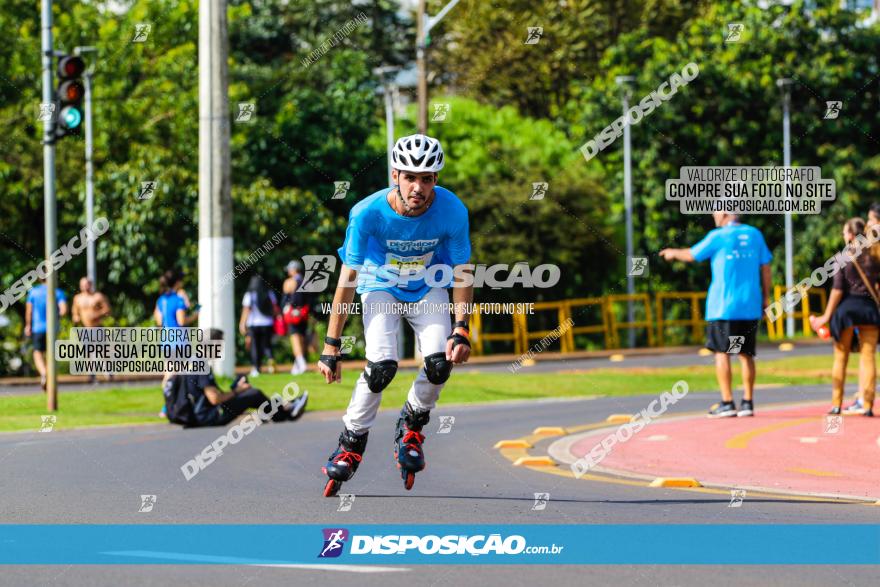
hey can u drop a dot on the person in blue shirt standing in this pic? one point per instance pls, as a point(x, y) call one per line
point(738, 294)
point(35, 323)
point(396, 241)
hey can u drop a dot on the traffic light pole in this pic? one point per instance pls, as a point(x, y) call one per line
point(90, 180)
point(49, 205)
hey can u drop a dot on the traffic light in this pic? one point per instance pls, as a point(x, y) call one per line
point(70, 95)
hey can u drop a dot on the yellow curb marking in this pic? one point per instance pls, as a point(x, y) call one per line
point(619, 418)
point(675, 482)
point(534, 462)
point(549, 431)
point(704, 352)
point(786, 346)
point(742, 440)
point(512, 444)
point(616, 358)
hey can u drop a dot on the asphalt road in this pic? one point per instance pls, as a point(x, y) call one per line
point(274, 476)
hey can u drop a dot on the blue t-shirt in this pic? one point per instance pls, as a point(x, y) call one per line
point(737, 252)
point(168, 304)
point(379, 242)
point(37, 298)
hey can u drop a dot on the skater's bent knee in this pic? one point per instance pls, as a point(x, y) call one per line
point(380, 374)
point(437, 368)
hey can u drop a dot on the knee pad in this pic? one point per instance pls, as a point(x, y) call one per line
point(379, 374)
point(437, 368)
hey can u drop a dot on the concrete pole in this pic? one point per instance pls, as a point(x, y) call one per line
point(215, 198)
point(49, 217)
point(627, 204)
point(90, 179)
point(786, 161)
point(421, 68)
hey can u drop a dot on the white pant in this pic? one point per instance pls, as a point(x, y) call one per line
point(431, 326)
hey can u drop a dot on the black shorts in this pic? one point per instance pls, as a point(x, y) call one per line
point(39, 340)
point(300, 328)
point(732, 336)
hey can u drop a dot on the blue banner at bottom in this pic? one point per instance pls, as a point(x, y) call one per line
point(438, 544)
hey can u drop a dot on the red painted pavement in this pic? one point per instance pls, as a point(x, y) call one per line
point(845, 463)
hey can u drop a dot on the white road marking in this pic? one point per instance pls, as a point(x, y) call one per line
point(656, 437)
point(809, 439)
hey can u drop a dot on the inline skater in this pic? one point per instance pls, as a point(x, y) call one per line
point(402, 230)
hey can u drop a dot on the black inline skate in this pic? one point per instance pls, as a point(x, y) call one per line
point(343, 463)
point(408, 439)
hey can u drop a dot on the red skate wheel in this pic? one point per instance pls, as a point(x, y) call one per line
point(331, 488)
point(409, 480)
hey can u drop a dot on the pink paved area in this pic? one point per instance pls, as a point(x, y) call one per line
point(795, 449)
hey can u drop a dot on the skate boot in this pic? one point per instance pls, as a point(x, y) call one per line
point(343, 463)
point(408, 439)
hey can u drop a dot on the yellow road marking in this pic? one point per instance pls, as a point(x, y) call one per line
point(816, 473)
point(742, 440)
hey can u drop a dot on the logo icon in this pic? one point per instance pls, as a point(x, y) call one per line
point(141, 32)
point(541, 500)
point(832, 109)
point(833, 424)
point(148, 190)
point(736, 498)
point(246, 111)
point(147, 503)
point(319, 268)
point(347, 344)
point(638, 266)
point(340, 189)
point(47, 423)
point(334, 540)
point(534, 35)
point(441, 111)
point(539, 190)
point(735, 344)
point(734, 32)
point(346, 500)
point(47, 112)
point(446, 423)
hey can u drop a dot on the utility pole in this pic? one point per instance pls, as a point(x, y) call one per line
point(49, 217)
point(623, 81)
point(785, 85)
point(424, 24)
point(421, 67)
point(215, 198)
point(91, 270)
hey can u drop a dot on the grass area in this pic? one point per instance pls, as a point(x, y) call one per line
point(141, 405)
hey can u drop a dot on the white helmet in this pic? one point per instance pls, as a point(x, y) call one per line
point(417, 153)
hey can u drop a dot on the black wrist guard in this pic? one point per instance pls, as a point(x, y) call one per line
point(337, 342)
point(331, 361)
point(458, 339)
point(462, 324)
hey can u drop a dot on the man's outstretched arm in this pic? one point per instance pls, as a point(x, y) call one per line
point(328, 365)
point(677, 255)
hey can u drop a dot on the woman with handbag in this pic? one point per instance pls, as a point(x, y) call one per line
point(295, 308)
point(854, 304)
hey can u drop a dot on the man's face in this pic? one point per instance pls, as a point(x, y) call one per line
point(415, 188)
point(873, 219)
point(85, 285)
point(719, 218)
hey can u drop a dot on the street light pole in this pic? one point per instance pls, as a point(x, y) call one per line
point(424, 24)
point(785, 85)
point(49, 217)
point(623, 81)
point(91, 270)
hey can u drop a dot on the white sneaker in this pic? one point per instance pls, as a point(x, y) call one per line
point(301, 363)
point(298, 406)
point(254, 373)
